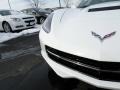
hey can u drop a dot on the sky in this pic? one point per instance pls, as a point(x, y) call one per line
point(15, 4)
point(22, 4)
point(53, 3)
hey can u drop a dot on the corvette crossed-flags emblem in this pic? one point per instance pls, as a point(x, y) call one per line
point(104, 37)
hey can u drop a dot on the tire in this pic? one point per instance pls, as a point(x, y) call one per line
point(42, 19)
point(7, 28)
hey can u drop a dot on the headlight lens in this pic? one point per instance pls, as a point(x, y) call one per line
point(47, 24)
point(16, 19)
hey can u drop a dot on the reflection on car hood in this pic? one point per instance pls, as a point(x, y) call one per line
point(81, 31)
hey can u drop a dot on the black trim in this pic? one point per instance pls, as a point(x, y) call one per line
point(30, 25)
point(28, 17)
point(28, 21)
point(19, 26)
point(109, 71)
point(104, 8)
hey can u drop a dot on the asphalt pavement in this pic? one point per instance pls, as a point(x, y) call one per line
point(23, 68)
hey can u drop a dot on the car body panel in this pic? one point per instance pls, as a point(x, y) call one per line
point(72, 32)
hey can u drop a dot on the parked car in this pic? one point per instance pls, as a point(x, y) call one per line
point(49, 10)
point(83, 42)
point(40, 14)
point(11, 20)
point(57, 8)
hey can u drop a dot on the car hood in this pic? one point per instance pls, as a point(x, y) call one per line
point(79, 33)
point(19, 16)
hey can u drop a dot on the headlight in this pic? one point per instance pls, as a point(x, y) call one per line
point(16, 19)
point(47, 24)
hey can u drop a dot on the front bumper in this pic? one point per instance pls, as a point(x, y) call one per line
point(66, 72)
point(22, 25)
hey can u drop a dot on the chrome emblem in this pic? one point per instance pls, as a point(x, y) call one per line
point(104, 37)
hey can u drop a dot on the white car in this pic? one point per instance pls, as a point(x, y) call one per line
point(84, 42)
point(11, 20)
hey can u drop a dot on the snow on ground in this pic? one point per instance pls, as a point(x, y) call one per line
point(7, 36)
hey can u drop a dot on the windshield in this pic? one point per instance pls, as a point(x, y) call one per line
point(5, 13)
point(9, 12)
point(42, 10)
point(15, 12)
point(86, 3)
point(39, 10)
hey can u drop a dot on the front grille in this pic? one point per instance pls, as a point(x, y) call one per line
point(30, 22)
point(28, 18)
point(30, 25)
point(108, 71)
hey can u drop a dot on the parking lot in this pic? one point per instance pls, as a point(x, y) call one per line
point(59, 45)
point(23, 68)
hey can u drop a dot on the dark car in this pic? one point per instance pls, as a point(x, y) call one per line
point(56, 8)
point(40, 14)
point(49, 9)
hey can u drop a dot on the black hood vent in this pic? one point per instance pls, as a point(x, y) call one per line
point(104, 8)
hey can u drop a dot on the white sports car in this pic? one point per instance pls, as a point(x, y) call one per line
point(11, 20)
point(83, 42)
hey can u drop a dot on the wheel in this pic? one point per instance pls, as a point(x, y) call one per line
point(42, 19)
point(7, 28)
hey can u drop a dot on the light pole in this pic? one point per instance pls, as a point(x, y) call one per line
point(9, 4)
point(59, 3)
